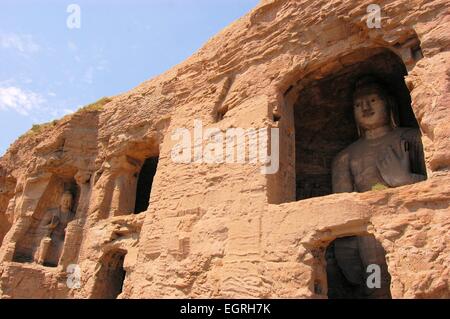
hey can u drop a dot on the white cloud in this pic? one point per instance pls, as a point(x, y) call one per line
point(72, 46)
point(102, 65)
point(21, 101)
point(89, 75)
point(24, 43)
point(31, 104)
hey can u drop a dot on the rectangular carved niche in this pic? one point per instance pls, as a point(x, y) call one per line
point(28, 246)
point(324, 120)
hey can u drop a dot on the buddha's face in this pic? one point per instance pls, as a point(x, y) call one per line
point(370, 110)
point(66, 202)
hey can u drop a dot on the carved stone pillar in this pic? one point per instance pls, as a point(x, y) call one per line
point(74, 230)
point(9, 243)
point(20, 211)
point(114, 188)
point(125, 170)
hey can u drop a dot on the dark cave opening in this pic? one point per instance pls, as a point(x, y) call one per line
point(144, 184)
point(357, 269)
point(111, 276)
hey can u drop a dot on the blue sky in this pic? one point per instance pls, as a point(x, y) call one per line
point(48, 70)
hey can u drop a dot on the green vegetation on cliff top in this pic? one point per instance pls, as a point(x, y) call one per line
point(96, 106)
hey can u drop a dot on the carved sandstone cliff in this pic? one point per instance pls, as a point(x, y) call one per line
point(226, 230)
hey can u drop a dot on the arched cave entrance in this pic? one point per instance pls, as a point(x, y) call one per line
point(356, 269)
point(324, 121)
point(111, 275)
point(144, 184)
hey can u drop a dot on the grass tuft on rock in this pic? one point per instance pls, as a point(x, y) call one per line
point(96, 106)
point(39, 128)
point(379, 187)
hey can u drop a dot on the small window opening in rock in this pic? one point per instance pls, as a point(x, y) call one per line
point(317, 288)
point(219, 116)
point(417, 53)
point(144, 184)
point(111, 276)
point(356, 269)
point(276, 117)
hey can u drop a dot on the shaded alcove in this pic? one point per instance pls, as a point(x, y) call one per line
point(5, 226)
point(111, 275)
point(350, 265)
point(7, 203)
point(28, 246)
point(324, 120)
point(144, 184)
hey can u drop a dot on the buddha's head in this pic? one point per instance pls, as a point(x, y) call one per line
point(372, 105)
point(66, 201)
